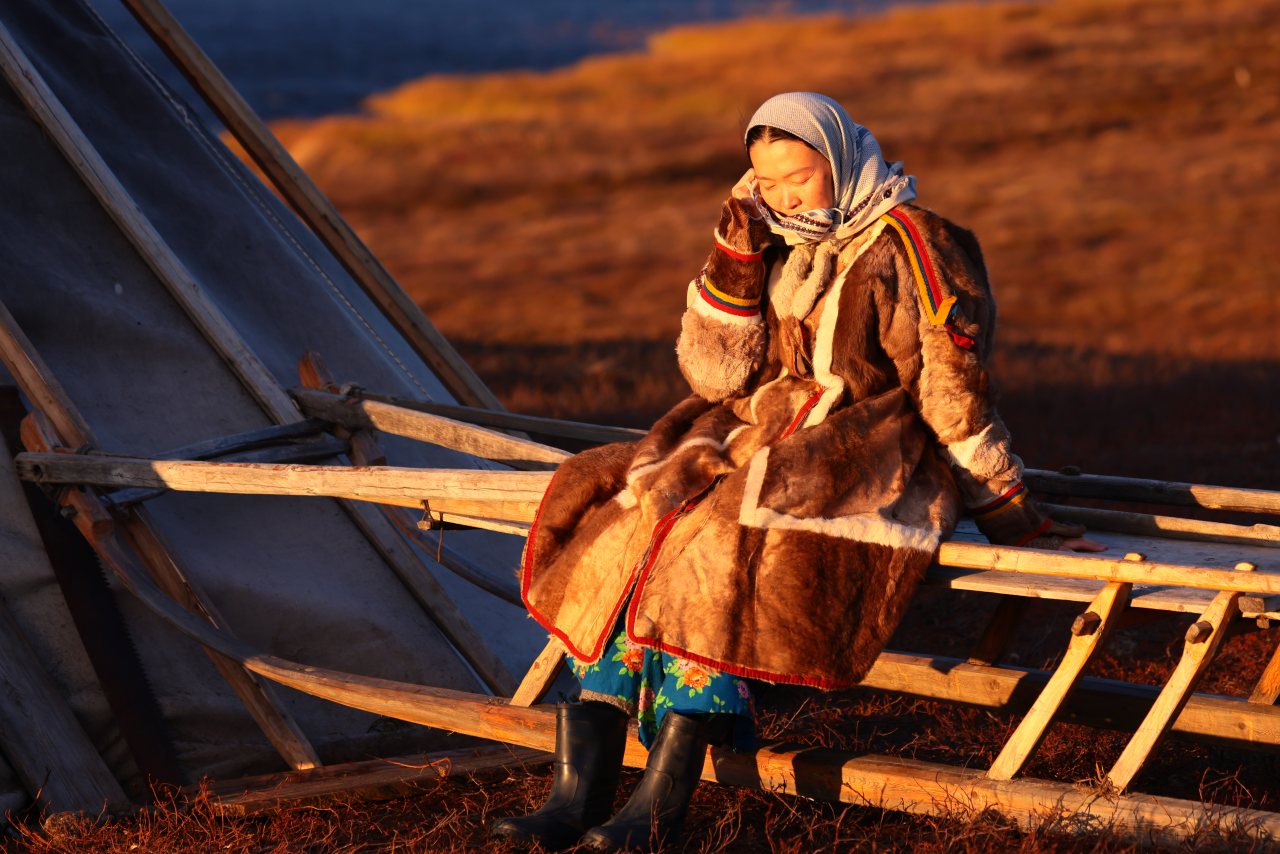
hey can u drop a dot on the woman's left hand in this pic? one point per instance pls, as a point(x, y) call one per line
point(1081, 544)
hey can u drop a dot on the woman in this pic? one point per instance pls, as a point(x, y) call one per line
point(773, 525)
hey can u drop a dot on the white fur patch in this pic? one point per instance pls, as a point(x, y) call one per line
point(965, 452)
point(824, 344)
point(863, 527)
point(626, 499)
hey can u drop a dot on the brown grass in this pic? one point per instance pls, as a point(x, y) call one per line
point(1118, 161)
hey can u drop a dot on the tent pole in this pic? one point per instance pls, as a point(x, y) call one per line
point(39, 384)
point(314, 208)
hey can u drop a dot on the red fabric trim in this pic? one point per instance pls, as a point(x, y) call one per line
point(745, 257)
point(1040, 529)
point(526, 578)
point(710, 300)
point(804, 410)
point(960, 340)
point(931, 277)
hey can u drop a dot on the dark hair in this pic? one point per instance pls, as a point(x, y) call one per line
point(768, 133)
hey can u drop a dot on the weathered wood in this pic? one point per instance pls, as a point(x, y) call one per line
point(44, 743)
point(368, 780)
point(1176, 692)
point(1108, 703)
point(1108, 606)
point(294, 452)
point(1169, 527)
point(97, 524)
point(458, 563)
point(852, 779)
point(404, 562)
point(38, 382)
point(594, 433)
point(1153, 491)
point(50, 114)
point(357, 414)
point(1074, 565)
point(316, 210)
point(999, 630)
point(504, 495)
point(542, 673)
point(1268, 688)
point(249, 440)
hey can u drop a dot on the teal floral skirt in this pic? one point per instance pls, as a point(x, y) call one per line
point(648, 684)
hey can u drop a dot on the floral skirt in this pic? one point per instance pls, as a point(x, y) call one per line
point(648, 684)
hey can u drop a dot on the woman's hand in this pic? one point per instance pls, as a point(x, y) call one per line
point(1081, 544)
point(742, 189)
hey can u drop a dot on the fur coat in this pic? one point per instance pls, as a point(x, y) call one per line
point(774, 524)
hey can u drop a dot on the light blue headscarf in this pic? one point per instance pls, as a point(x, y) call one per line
point(865, 186)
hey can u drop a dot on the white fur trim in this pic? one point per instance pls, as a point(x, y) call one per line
point(691, 295)
point(965, 452)
point(626, 498)
point(862, 528)
point(824, 344)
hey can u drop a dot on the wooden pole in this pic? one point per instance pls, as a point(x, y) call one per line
point(280, 729)
point(497, 494)
point(41, 387)
point(316, 210)
point(1153, 491)
point(1166, 527)
point(412, 572)
point(596, 434)
point(41, 737)
point(542, 673)
point(357, 414)
point(120, 206)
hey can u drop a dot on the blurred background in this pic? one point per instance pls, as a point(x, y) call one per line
point(543, 179)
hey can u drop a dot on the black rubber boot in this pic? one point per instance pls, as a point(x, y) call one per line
point(590, 739)
point(655, 813)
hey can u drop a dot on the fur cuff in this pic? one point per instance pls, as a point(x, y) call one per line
point(718, 358)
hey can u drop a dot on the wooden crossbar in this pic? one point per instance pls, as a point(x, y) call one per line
point(1153, 491)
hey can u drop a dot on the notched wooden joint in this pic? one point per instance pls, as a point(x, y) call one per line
point(1086, 624)
point(1199, 631)
point(1245, 566)
point(1135, 557)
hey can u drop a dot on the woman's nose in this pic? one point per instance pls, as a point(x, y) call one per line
point(790, 200)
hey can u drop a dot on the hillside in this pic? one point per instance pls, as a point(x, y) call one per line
point(1117, 159)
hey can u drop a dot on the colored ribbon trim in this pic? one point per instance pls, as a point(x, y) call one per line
point(937, 308)
point(745, 257)
point(1012, 498)
point(727, 302)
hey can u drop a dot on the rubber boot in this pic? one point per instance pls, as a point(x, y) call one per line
point(655, 813)
point(590, 739)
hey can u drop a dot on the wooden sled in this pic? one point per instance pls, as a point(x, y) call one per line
point(1227, 575)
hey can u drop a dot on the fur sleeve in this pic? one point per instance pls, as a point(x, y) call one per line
point(722, 339)
point(941, 331)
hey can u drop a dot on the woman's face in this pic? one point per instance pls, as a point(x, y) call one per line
point(793, 178)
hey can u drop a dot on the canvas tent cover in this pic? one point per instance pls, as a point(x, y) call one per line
point(293, 576)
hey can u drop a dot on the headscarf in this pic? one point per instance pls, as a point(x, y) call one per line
point(865, 186)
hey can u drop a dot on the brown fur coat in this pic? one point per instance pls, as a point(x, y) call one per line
point(774, 524)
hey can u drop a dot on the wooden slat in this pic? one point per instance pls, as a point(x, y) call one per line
point(1268, 687)
point(279, 728)
point(120, 206)
point(41, 738)
point(1176, 692)
point(311, 205)
point(1106, 607)
point(505, 495)
point(999, 631)
point(542, 673)
point(1154, 491)
point(368, 780)
point(594, 433)
point(1074, 565)
point(1167, 527)
point(357, 414)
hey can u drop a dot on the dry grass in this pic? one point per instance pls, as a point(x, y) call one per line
point(1117, 159)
